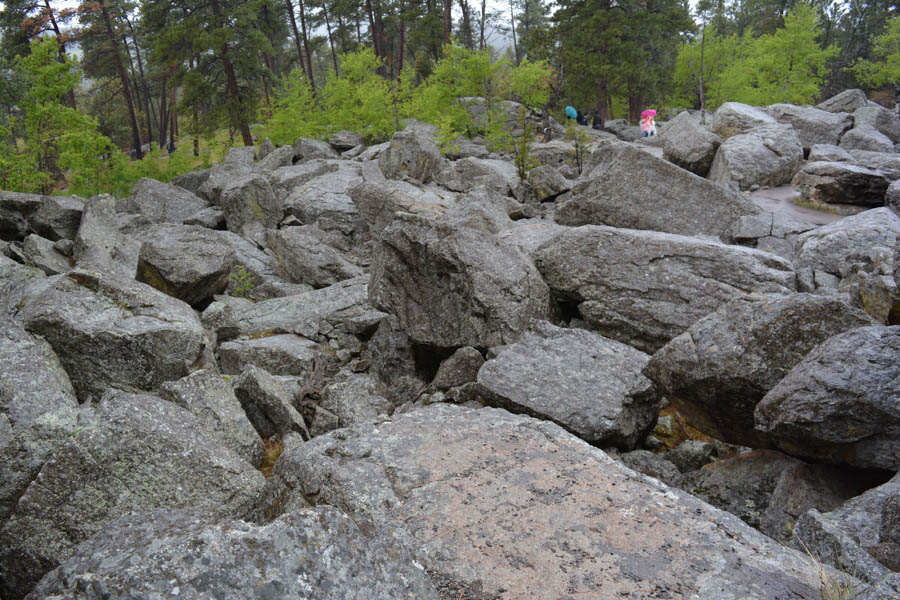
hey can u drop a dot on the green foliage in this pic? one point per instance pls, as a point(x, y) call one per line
point(294, 113)
point(886, 49)
point(242, 282)
point(518, 142)
point(579, 138)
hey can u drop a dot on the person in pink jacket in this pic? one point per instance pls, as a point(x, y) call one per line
point(648, 126)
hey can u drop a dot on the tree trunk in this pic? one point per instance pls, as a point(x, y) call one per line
point(309, 70)
point(330, 39)
point(126, 88)
point(702, 95)
point(482, 24)
point(512, 21)
point(448, 20)
point(70, 95)
point(231, 82)
point(147, 101)
point(297, 42)
point(163, 112)
point(171, 147)
point(466, 29)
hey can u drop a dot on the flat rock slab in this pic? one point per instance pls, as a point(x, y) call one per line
point(313, 554)
point(509, 507)
point(588, 384)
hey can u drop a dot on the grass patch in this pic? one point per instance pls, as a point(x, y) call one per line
point(274, 447)
point(819, 206)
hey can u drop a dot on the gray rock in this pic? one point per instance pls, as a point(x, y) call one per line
point(250, 206)
point(411, 155)
point(6, 432)
point(380, 202)
point(813, 125)
point(632, 189)
point(132, 453)
point(213, 184)
point(325, 200)
point(588, 384)
point(315, 554)
point(304, 256)
point(839, 403)
point(15, 281)
point(211, 400)
point(840, 537)
point(34, 382)
point(41, 253)
point(547, 183)
point(846, 101)
point(57, 217)
point(469, 173)
point(866, 137)
point(770, 232)
point(459, 369)
point(344, 140)
point(455, 287)
point(160, 202)
point(829, 153)
point(886, 162)
point(892, 197)
point(434, 476)
point(652, 465)
point(285, 354)
point(239, 158)
point(691, 455)
point(342, 308)
point(556, 153)
point(253, 274)
point(354, 399)
point(463, 147)
point(306, 149)
point(280, 157)
point(841, 183)
point(529, 234)
point(185, 261)
point(287, 178)
point(689, 145)
point(268, 404)
point(211, 217)
point(192, 181)
point(99, 245)
point(718, 370)
point(879, 118)
point(734, 118)
point(15, 209)
point(483, 209)
point(266, 147)
point(644, 288)
point(113, 332)
point(886, 589)
point(765, 156)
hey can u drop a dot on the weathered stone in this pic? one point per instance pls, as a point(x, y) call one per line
point(305, 257)
point(733, 118)
point(846, 101)
point(439, 478)
point(886, 162)
point(879, 118)
point(652, 465)
point(460, 368)
point(770, 232)
point(764, 156)
point(113, 332)
point(411, 154)
point(691, 455)
point(463, 147)
point(718, 370)
point(351, 400)
point(41, 253)
point(211, 217)
point(185, 261)
point(57, 218)
point(866, 137)
point(556, 153)
point(306, 149)
point(325, 200)
point(455, 287)
point(469, 173)
point(886, 589)
point(250, 205)
point(529, 234)
point(211, 400)
point(268, 404)
point(588, 384)
point(813, 125)
point(644, 288)
point(280, 157)
point(285, 354)
point(689, 145)
point(483, 209)
point(547, 183)
point(379, 202)
point(892, 197)
point(830, 153)
point(239, 158)
point(839, 403)
point(34, 382)
point(840, 537)
point(286, 179)
point(15, 280)
point(15, 209)
point(266, 147)
point(133, 452)
point(253, 274)
point(344, 140)
point(99, 245)
point(160, 202)
point(841, 183)
point(192, 181)
point(632, 189)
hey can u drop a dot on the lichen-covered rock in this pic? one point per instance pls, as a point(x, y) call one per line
point(113, 332)
point(250, 205)
point(841, 183)
point(42, 253)
point(652, 465)
point(879, 118)
point(57, 217)
point(830, 153)
point(455, 286)
point(886, 162)
point(469, 173)
point(380, 202)
point(547, 183)
point(15, 209)
point(813, 125)
point(324, 200)
point(512, 508)
point(765, 156)
point(588, 384)
point(130, 453)
point(352, 399)
point(306, 149)
point(411, 154)
point(160, 202)
point(839, 403)
point(718, 370)
point(866, 137)
point(99, 245)
point(268, 404)
point(774, 232)
point(284, 354)
point(644, 288)
point(689, 145)
point(733, 118)
point(630, 188)
point(304, 256)
point(846, 101)
point(460, 368)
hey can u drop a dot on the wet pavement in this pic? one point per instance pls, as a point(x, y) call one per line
point(780, 200)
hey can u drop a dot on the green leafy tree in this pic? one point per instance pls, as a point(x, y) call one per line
point(885, 69)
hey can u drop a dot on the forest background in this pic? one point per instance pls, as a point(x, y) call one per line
point(202, 75)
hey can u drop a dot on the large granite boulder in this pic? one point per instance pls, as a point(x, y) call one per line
point(879, 118)
point(34, 382)
point(829, 153)
point(314, 554)
point(632, 189)
point(113, 332)
point(210, 398)
point(844, 536)
point(99, 245)
point(718, 370)
point(453, 287)
point(689, 145)
point(496, 505)
point(547, 183)
point(57, 217)
point(129, 453)
point(886, 162)
point(238, 164)
point(892, 197)
point(281, 354)
point(733, 118)
point(283, 156)
point(325, 200)
point(866, 137)
point(644, 288)
point(846, 101)
point(813, 125)
point(588, 384)
point(15, 281)
point(841, 183)
point(839, 404)
point(184, 261)
point(380, 202)
point(287, 178)
point(412, 155)
point(306, 149)
point(766, 156)
point(15, 209)
point(160, 202)
point(268, 404)
point(774, 232)
point(352, 399)
point(467, 174)
point(43, 254)
point(250, 206)
point(304, 255)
